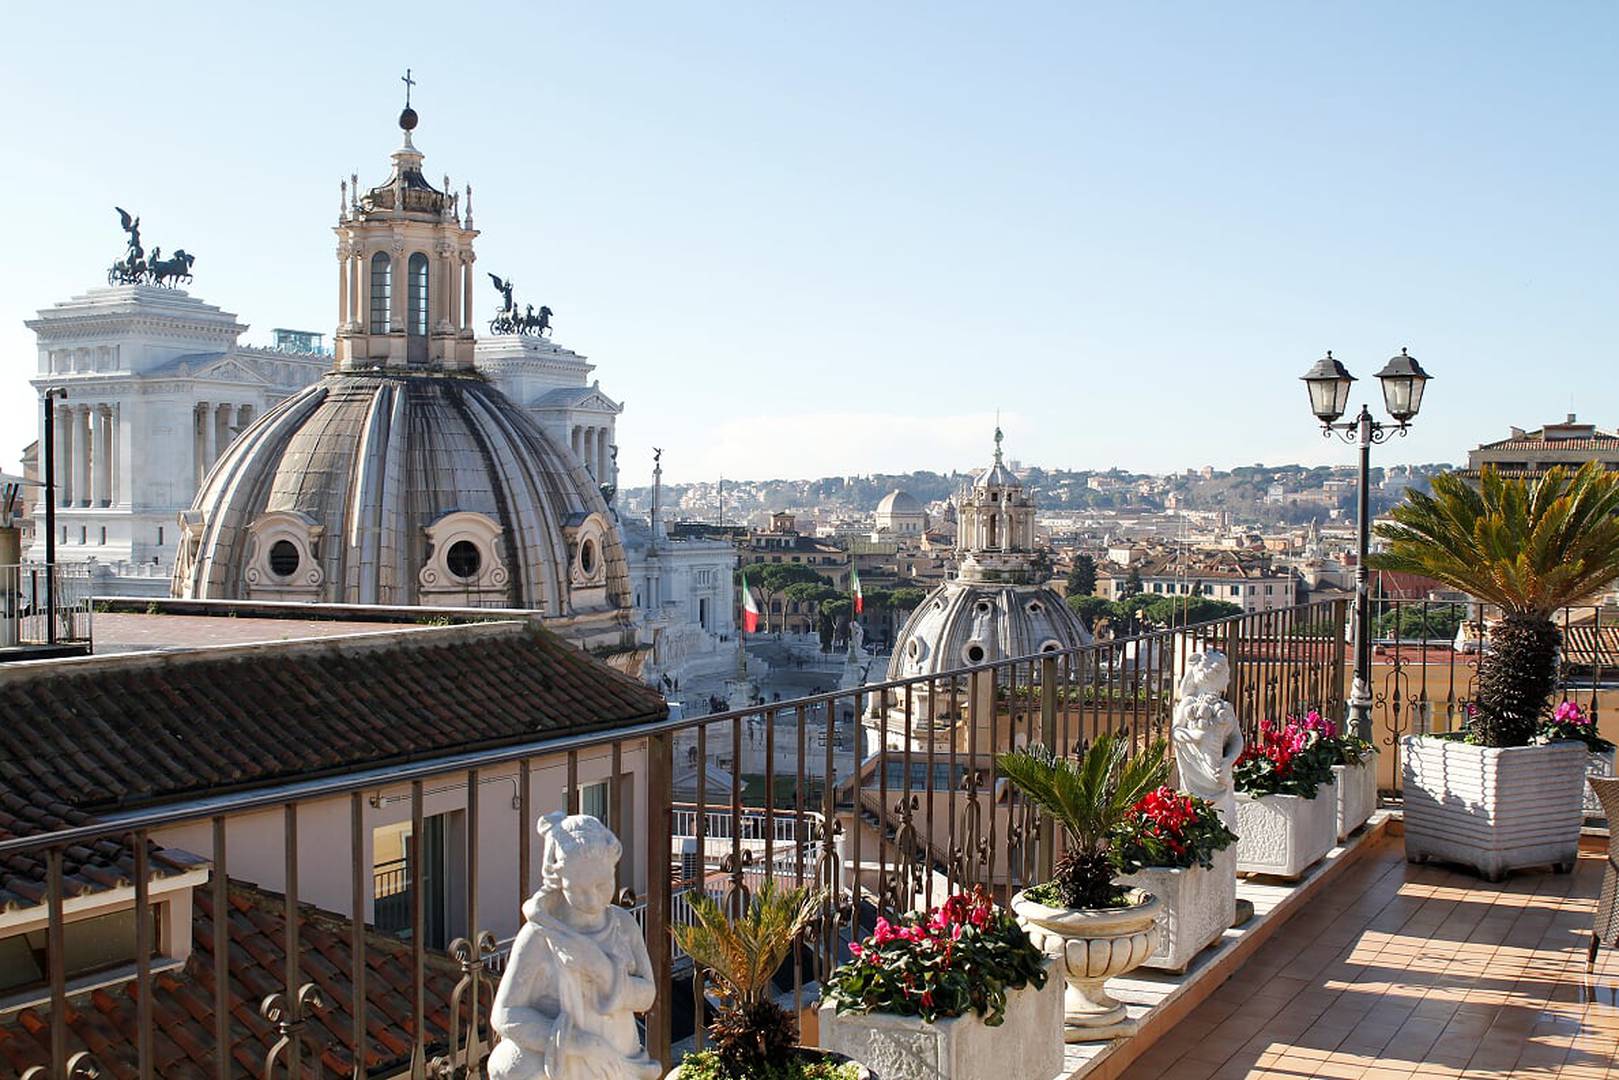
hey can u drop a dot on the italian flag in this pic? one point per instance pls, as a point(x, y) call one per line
point(854, 589)
point(750, 609)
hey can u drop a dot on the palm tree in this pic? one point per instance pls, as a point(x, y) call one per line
point(1089, 797)
point(752, 1033)
point(1529, 547)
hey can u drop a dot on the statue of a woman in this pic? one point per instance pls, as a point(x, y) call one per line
point(1207, 737)
point(578, 971)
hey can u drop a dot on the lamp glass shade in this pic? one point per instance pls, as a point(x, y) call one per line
point(1328, 383)
point(1403, 382)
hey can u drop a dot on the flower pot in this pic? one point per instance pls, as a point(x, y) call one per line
point(1493, 808)
point(1028, 1046)
point(1285, 835)
point(1199, 905)
point(1601, 763)
point(1357, 794)
point(1091, 947)
point(806, 1053)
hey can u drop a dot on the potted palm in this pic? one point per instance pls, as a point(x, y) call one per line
point(1095, 928)
point(1176, 847)
point(1505, 792)
point(955, 993)
point(754, 1037)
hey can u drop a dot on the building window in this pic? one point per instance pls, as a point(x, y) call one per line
point(84, 534)
point(382, 292)
point(95, 944)
point(463, 559)
point(103, 536)
point(593, 800)
point(416, 321)
point(160, 536)
point(1270, 590)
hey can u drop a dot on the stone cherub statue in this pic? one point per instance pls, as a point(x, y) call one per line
point(1207, 737)
point(578, 971)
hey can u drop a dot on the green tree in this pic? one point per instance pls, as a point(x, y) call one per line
point(1531, 548)
point(772, 579)
point(907, 598)
point(1092, 609)
point(1082, 578)
point(1187, 610)
point(1418, 622)
point(1132, 582)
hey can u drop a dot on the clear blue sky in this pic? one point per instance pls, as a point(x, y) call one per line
point(808, 239)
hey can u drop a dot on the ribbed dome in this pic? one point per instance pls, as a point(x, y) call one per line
point(402, 489)
point(965, 623)
point(899, 502)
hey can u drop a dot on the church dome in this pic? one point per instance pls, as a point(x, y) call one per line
point(387, 487)
point(899, 502)
point(962, 624)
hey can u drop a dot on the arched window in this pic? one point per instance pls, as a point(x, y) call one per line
point(416, 321)
point(382, 292)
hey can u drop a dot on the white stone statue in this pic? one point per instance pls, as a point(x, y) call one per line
point(1208, 739)
point(578, 971)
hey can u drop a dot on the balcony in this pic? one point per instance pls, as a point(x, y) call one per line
point(887, 796)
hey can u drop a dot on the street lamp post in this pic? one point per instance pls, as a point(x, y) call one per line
point(1329, 384)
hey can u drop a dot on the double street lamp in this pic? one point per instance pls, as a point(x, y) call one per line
point(1329, 383)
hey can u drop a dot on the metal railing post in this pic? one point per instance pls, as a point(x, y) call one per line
point(660, 776)
point(1048, 735)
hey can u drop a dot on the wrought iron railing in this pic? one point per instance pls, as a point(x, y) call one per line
point(30, 592)
point(916, 811)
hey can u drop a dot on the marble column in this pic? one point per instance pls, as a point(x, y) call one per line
point(604, 458)
point(81, 456)
point(222, 432)
point(209, 443)
point(64, 455)
point(100, 455)
point(342, 284)
point(466, 292)
point(401, 286)
point(455, 286)
point(116, 456)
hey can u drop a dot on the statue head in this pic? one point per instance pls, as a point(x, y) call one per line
point(1206, 673)
point(580, 854)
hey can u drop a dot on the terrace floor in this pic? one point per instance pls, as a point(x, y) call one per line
point(1402, 971)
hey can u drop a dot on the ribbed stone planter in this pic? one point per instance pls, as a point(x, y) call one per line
point(1199, 905)
point(1493, 808)
point(1091, 947)
point(1028, 1046)
point(1357, 794)
point(1285, 835)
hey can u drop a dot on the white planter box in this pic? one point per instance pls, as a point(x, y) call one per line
point(1598, 765)
point(1357, 794)
point(1285, 835)
point(1028, 1046)
point(1199, 906)
point(1494, 809)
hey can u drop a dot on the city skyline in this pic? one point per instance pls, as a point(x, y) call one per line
point(907, 223)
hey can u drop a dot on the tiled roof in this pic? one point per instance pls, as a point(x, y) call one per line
point(1534, 441)
point(145, 727)
point(108, 732)
point(103, 1021)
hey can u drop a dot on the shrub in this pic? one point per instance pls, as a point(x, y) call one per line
point(1170, 828)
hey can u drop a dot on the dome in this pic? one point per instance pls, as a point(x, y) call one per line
point(899, 502)
point(963, 623)
point(402, 488)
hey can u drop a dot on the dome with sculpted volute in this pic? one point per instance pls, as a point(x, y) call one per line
point(396, 488)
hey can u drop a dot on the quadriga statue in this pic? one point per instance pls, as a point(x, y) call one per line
point(578, 971)
point(1208, 739)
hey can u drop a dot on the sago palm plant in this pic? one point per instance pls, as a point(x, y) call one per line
point(752, 1033)
point(1089, 797)
point(1529, 547)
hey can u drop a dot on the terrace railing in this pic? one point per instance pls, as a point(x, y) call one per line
point(921, 812)
point(30, 591)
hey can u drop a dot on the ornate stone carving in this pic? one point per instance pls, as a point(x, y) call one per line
point(1207, 737)
point(578, 972)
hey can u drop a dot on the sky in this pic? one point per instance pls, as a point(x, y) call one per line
point(803, 240)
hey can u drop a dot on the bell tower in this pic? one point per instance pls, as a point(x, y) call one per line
point(404, 259)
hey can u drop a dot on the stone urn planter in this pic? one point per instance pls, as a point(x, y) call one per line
point(1027, 1046)
point(1493, 808)
point(1198, 906)
point(1091, 947)
point(808, 1054)
point(1357, 794)
point(1285, 835)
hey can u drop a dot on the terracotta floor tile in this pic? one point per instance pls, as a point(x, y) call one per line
point(1411, 972)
